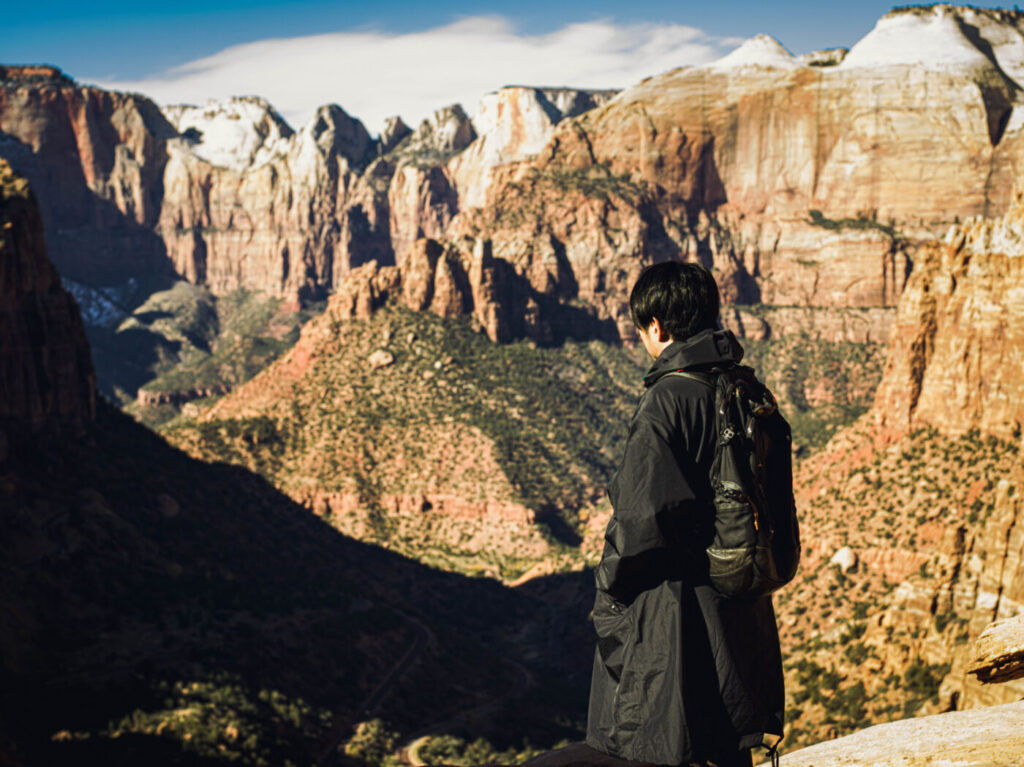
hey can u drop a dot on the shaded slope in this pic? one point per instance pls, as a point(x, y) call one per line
point(160, 610)
point(128, 565)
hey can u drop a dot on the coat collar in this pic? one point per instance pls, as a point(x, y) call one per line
point(703, 350)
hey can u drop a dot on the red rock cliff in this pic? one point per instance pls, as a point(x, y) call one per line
point(46, 374)
point(96, 163)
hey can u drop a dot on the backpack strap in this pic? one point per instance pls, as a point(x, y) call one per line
point(704, 378)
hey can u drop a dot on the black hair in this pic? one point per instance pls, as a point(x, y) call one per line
point(683, 296)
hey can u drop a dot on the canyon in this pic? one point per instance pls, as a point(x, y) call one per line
point(464, 368)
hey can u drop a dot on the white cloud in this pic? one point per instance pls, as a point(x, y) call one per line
point(374, 75)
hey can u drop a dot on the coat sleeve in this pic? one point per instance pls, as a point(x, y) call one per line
point(651, 500)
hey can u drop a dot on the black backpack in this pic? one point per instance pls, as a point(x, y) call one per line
point(756, 547)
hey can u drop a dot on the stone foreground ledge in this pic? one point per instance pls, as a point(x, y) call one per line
point(999, 652)
point(980, 737)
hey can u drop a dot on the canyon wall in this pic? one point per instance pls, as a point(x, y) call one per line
point(957, 354)
point(914, 517)
point(955, 367)
point(805, 182)
point(95, 160)
point(46, 373)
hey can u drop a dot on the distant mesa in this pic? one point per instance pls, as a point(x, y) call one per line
point(28, 74)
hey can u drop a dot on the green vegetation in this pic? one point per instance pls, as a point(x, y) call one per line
point(374, 743)
point(596, 181)
point(865, 223)
point(453, 750)
point(526, 200)
point(905, 496)
point(190, 343)
point(223, 719)
point(487, 423)
point(921, 680)
point(844, 375)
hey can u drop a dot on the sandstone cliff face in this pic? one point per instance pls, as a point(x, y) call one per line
point(95, 161)
point(259, 207)
point(957, 355)
point(805, 182)
point(801, 185)
point(924, 491)
point(46, 374)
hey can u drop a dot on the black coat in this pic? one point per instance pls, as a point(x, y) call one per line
point(681, 673)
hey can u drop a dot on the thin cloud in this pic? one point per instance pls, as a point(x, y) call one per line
point(374, 75)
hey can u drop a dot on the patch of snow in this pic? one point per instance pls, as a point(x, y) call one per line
point(760, 51)
point(934, 39)
point(98, 310)
point(238, 133)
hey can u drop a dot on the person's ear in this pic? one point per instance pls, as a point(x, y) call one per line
point(657, 330)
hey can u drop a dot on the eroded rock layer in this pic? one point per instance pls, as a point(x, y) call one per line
point(805, 182)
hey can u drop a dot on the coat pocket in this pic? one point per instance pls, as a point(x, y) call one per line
point(612, 626)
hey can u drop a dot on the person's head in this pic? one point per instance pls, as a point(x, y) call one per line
point(672, 301)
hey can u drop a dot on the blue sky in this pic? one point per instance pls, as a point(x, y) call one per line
point(143, 47)
point(130, 40)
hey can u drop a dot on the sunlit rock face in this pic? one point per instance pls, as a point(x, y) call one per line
point(95, 160)
point(958, 342)
point(249, 203)
point(514, 124)
point(805, 181)
point(46, 373)
point(802, 182)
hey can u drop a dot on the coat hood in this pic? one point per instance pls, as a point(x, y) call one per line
point(703, 350)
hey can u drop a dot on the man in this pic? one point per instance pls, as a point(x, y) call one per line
point(682, 674)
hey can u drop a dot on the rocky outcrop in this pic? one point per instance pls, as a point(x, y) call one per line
point(445, 133)
point(514, 124)
point(178, 397)
point(989, 737)
point(999, 652)
point(46, 373)
point(958, 342)
point(394, 131)
point(829, 57)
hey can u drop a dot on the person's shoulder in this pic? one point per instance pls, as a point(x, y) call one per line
point(683, 384)
point(673, 391)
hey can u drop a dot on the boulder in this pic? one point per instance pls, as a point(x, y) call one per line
point(380, 359)
point(845, 558)
point(999, 652)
